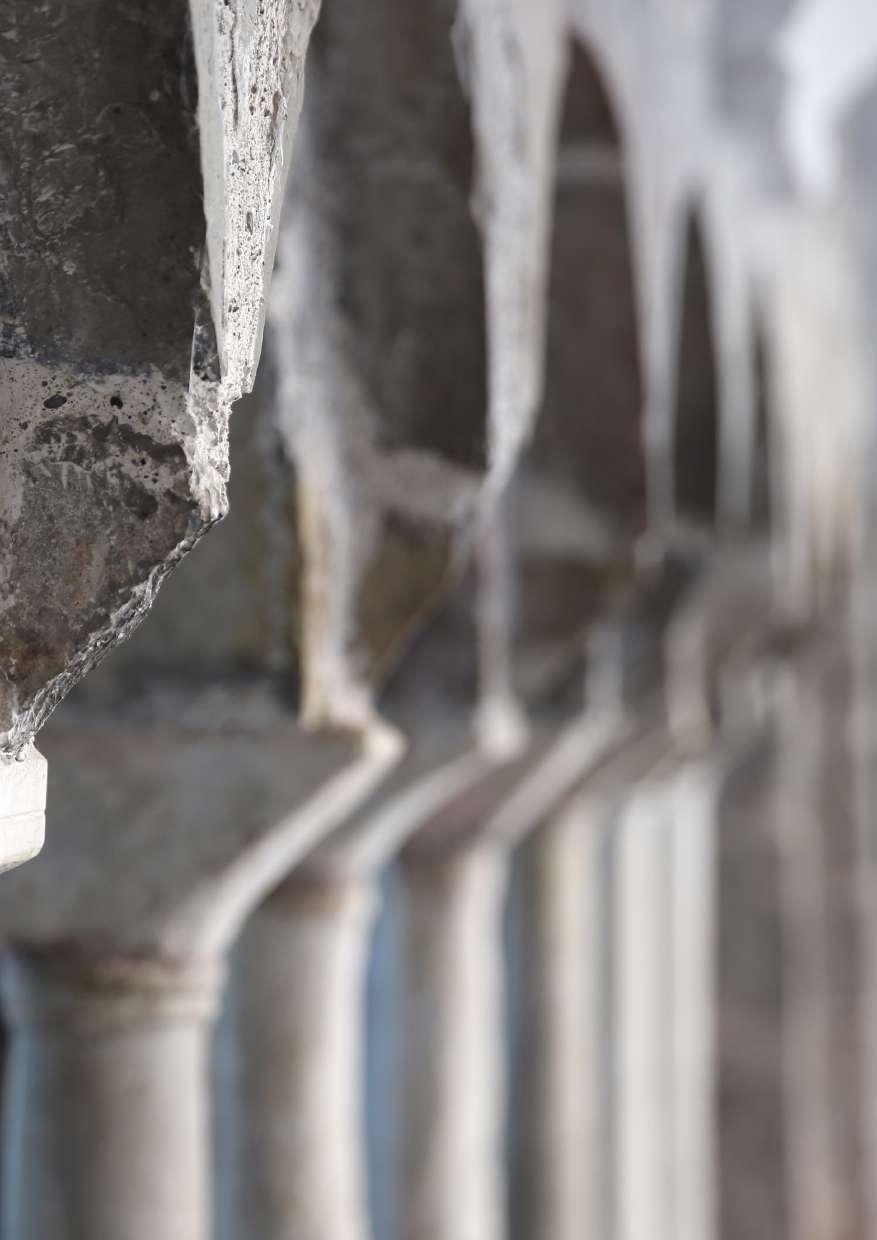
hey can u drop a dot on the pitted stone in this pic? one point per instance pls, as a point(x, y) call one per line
point(117, 369)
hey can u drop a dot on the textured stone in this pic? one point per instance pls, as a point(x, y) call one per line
point(127, 330)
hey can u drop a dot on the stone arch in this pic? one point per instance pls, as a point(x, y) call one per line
point(580, 493)
point(590, 422)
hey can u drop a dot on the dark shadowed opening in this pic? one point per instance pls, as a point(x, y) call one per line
point(581, 495)
point(695, 448)
point(761, 458)
point(589, 430)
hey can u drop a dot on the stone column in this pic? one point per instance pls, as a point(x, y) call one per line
point(694, 950)
point(424, 808)
point(105, 1114)
point(455, 876)
point(298, 1168)
point(644, 1147)
point(107, 1076)
point(452, 1182)
point(557, 1170)
point(565, 1109)
point(316, 926)
point(819, 1201)
point(346, 418)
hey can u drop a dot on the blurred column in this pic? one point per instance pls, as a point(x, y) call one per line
point(22, 807)
point(559, 1159)
point(299, 996)
point(819, 1206)
point(105, 1114)
point(644, 1199)
point(118, 938)
point(692, 803)
point(452, 1180)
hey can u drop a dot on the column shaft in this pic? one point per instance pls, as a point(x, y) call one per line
point(452, 1091)
point(644, 1133)
point(559, 1152)
point(299, 1167)
point(695, 1001)
point(819, 1205)
point(105, 1114)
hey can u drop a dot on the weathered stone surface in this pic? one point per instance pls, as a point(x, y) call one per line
point(118, 369)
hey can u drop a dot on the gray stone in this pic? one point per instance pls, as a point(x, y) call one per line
point(130, 321)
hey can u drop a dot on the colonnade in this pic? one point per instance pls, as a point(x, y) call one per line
point(553, 292)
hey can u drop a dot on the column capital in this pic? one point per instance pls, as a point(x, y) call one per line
point(86, 991)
